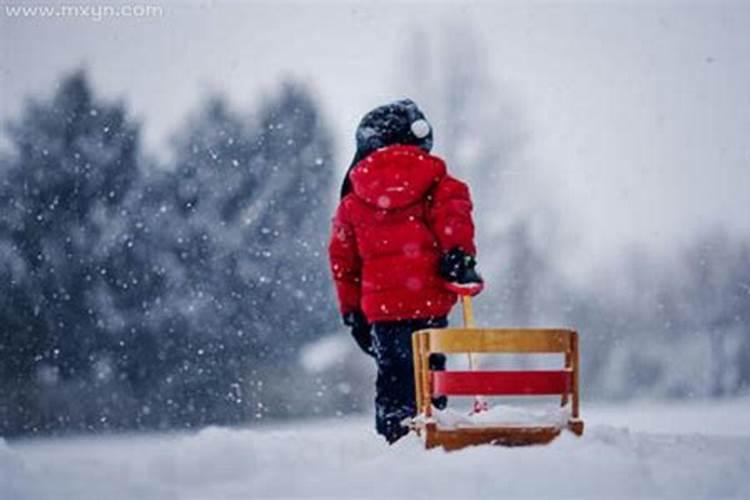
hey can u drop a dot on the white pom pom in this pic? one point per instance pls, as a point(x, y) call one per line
point(420, 128)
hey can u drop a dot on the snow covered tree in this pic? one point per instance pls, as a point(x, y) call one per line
point(291, 229)
point(137, 295)
point(249, 219)
point(66, 232)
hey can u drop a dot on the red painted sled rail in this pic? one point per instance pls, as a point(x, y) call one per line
point(501, 383)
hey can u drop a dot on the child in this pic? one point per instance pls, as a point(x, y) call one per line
point(402, 247)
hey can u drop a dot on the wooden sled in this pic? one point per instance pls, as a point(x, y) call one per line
point(494, 383)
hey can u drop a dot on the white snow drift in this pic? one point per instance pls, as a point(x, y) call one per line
point(706, 455)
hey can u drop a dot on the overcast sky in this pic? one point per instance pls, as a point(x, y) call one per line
point(638, 113)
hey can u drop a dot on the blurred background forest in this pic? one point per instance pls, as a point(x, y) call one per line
point(186, 287)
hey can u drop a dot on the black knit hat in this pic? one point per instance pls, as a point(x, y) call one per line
point(400, 122)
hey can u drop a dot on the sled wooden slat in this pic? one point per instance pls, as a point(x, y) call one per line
point(501, 383)
point(496, 383)
point(455, 439)
point(458, 340)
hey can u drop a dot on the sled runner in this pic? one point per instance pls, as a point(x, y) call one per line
point(477, 383)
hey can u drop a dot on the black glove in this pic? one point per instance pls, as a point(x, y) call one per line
point(360, 331)
point(459, 269)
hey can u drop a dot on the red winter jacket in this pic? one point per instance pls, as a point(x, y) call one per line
point(390, 231)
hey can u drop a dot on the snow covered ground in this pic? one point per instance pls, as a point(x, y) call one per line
point(697, 449)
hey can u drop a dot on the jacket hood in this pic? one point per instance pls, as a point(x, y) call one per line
point(396, 176)
point(400, 122)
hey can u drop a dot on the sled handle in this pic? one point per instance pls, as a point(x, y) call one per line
point(480, 404)
point(468, 311)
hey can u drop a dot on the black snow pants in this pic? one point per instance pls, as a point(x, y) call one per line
point(395, 390)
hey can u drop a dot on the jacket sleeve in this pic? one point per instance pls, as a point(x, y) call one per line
point(450, 216)
point(346, 264)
